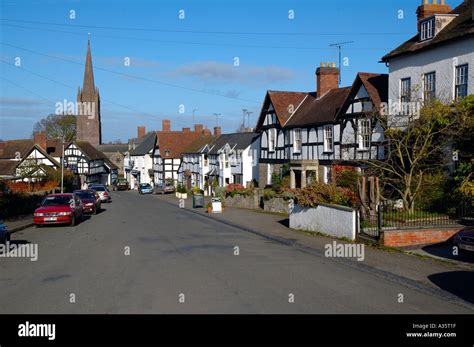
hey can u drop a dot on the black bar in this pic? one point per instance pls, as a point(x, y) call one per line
point(238, 329)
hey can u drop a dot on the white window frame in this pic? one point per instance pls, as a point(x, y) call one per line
point(427, 29)
point(297, 140)
point(328, 138)
point(426, 83)
point(364, 134)
point(405, 95)
point(461, 79)
point(271, 139)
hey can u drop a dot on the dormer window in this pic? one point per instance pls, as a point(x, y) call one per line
point(427, 29)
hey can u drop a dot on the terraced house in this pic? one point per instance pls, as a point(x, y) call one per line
point(313, 131)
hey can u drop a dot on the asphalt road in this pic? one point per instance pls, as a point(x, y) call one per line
point(175, 252)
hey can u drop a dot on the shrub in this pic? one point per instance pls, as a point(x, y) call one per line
point(15, 204)
point(234, 189)
point(219, 192)
point(268, 194)
point(345, 176)
point(318, 193)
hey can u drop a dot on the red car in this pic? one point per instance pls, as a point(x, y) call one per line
point(90, 200)
point(59, 209)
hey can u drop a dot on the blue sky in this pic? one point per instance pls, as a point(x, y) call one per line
point(186, 61)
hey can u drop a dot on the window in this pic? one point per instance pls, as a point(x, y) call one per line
point(427, 29)
point(226, 160)
point(206, 160)
point(297, 140)
point(460, 89)
point(429, 86)
point(405, 95)
point(364, 134)
point(328, 138)
point(271, 139)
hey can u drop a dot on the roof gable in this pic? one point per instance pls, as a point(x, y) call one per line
point(284, 103)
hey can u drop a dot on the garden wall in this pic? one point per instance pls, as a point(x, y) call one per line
point(334, 220)
point(242, 201)
point(277, 205)
point(404, 238)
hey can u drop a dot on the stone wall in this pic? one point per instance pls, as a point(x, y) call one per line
point(241, 201)
point(277, 205)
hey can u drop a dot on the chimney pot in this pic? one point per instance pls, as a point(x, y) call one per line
point(217, 131)
point(166, 125)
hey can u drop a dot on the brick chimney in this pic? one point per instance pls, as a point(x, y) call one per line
point(39, 139)
point(207, 132)
point(166, 125)
point(217, 131)
point(431, 7)
point(327, 78)
point(186, 130)
point(198, 128)
point(141, 131)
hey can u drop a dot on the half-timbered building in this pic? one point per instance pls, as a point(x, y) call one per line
point(88, 164)
point(330, 126)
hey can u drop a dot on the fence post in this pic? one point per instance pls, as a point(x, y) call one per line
point(379, 219)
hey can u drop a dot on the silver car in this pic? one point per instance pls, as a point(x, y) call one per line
point(103, 192)
point(4, 233)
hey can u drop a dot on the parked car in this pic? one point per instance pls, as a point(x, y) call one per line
point(122, 184)
point(102, 190)
point(4, 233)
point(90, 200)
point(164, 188)
point(145, 188)
point(59, 209)
point(464, 239)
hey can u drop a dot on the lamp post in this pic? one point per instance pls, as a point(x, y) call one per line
point(62, 166)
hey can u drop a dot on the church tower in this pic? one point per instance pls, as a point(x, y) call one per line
point(88, 126)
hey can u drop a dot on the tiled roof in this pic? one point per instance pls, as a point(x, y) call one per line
point(197, 145)
point(90, 151)
point(146, 144)
point(236, 141)
point(7, 167)
point(460, 27)
point(9, 148)
point(115, 147)
point(284, 102)
point(12, 147)
point(176, 142)
point(376, 86)
point(315, 110)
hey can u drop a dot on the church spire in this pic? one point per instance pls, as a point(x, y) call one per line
point(88, 88)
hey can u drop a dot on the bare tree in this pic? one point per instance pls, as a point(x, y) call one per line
point(58, 125)
point(419, 148)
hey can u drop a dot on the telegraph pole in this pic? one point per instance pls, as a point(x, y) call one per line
point(244, 112)
point(217, 115)
point(248, 118)
point(339, 46)
point(194, 110)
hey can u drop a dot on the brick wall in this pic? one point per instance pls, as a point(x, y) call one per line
point(403, 238)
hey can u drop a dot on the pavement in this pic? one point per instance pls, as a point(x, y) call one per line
point(145, 254)
point(19, 223)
